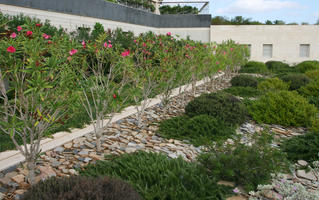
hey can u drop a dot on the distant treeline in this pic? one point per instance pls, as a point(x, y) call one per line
point(239, 20)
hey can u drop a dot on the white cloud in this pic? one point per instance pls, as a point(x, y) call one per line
point(256, 6)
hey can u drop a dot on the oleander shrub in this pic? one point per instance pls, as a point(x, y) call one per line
point(302, 147)
point(246, 165)
point(279, 67)
point(78, 187)
point(296, 81)
point(244, 81)
point(254, 67)
point(308, 66)
point(199, 130)
point(220, 105)
point(272, 84)
point(313, 74)
point(243, 91)
point(283, 107)
point(155, 176)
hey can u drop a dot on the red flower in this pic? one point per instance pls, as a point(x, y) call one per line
point(114, 96)
point(125, 53)
point(29, 33)
point(49, 42)
point(45, 36)
point(11, 49)
point(72, 52)
point(38, 25)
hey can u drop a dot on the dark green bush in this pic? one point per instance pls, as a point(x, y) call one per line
point(97, 30)
point(254, 67)
point(243, 91)
point(246, 165)
point(284, 108)
point(199, 130)
point(244, 81)
point(307, 66)
point(77, 187)
point(278, 67)
point(272, 84)
point(311, 89)
point(296, 81)
point(220, 105)
point(157, 177)
point(303, 147)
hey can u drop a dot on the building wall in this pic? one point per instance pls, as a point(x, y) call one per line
point(286, 40)
point(71, 22)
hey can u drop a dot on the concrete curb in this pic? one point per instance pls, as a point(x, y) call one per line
point(14, 157)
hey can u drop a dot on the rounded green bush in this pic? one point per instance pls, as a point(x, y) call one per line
point(77, 187)
point(155, 176)
point(254, 67)
point(302, 147)
point(243, 91)
point(307, 66)
point(244, 81)
point(220, 105)
point(296, 81)
point(199, 130)
point(272, 84)
point(279, 67)
point(311, 89)
point(313, 74)
point(284, 108)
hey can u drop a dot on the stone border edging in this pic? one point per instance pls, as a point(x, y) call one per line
point(14, 157)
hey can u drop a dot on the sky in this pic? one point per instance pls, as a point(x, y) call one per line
point(261, 10)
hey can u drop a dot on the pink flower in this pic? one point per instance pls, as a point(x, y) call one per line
point(224, 52)
point(135, 41)
point(38, 25)
point(110, 41)
point(169, 34)
point(236, 190)
point(69, 58)
point(49, 42)
point(125, 53)
point(231, 49)
point(29, 33)
point(217, 63)
point(83, 44)
point(13, 35)
point(19, 28)
point(72, 52)
point(105, 44)
point(144, 45)
point(11, 49)
point(109, 46)
point(114, 96)
point(45, 36)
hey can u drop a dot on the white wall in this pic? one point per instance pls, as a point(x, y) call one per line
point(285, 39)
point(71, 22)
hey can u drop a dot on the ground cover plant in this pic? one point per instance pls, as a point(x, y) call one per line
point(295, 80)
point(79, 187)
point(303, 147)
point(220, 105)
point(283, 107)
point(244, 164)
point(278, 67)
point(155, 176)
point(199, 130)
point(272, 84)
point(244, 92)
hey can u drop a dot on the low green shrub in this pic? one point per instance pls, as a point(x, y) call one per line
point(302, 147)
point(246, 165)
point(77, 187)
point(296, 81)
point(311, 89)
point(157, 177)
point(243, 91)
point(220, 105)
point(278, 67)
point(244, 81)
point(313, 74)
point(199, 130)
point(254, 67)
point(284, 108)
point(307, 66)
point(272, 84)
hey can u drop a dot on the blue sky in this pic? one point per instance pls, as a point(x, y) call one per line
point(261, 10)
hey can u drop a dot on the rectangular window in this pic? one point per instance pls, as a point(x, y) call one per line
point(304, 50)
point(267, 50)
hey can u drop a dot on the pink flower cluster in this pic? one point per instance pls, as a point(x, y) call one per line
point(108, 45)
point(13, 35)
point(45, 36)
point(73, 51)
point(125, 53)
